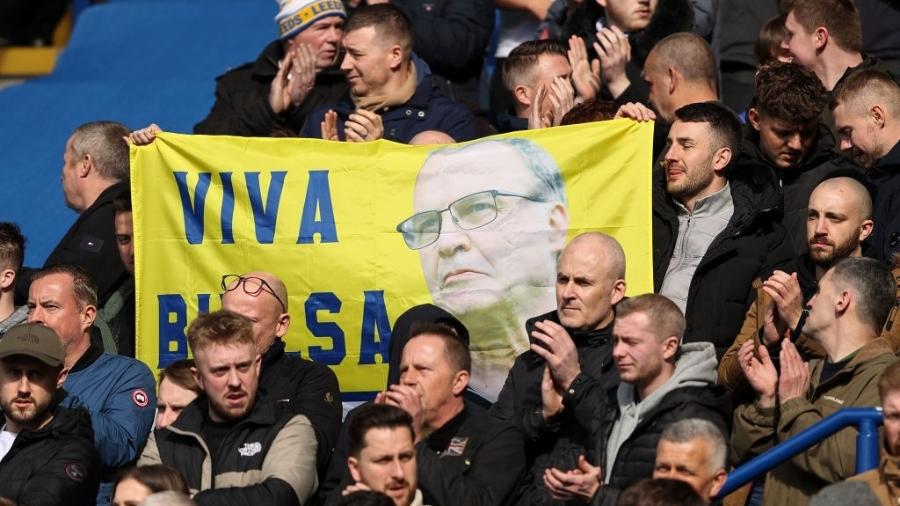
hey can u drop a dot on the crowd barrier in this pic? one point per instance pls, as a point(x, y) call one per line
point(866, 421)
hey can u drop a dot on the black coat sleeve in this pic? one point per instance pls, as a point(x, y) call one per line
point(585, 399)
point(271, 492)
point(450, 38)
point(319, 399)
point(490, 478)
point(91, 244)
point(72, 476)
point(239, 109)
point(508, 407)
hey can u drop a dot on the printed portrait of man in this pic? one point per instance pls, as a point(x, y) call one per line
point(489, 222)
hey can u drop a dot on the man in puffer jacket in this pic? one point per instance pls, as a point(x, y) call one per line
point(662, 382)
point(47, 454)
point(715, 226)
point(590, 281)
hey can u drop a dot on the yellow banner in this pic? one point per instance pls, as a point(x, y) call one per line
point(482, 224)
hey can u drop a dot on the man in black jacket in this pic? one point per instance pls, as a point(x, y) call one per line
point(292, 75)
point(463, 457)
point(663, 382)
point(569, 346)
point(95, 171)
point(232, 444)
point(784, 135)
point(47, 453)
point(867, 116)
point(714, 230)
point(297, 385)
point(452, 36)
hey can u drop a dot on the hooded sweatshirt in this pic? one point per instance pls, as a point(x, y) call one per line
point(695, 367)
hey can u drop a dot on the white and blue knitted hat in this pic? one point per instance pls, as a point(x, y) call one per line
point(294, 16)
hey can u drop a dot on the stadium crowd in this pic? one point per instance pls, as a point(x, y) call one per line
point(775, 230)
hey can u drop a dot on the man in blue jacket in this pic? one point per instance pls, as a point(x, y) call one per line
point(117, 391)
point(391, 94)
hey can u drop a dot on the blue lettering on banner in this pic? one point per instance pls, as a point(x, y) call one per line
point(265, 216)
point(171, 330)
point(325, 301)
point(227, 208)
point(173, 322)
point(193, 213)
point(317, 217)
point(374, 316)
point(318, 197)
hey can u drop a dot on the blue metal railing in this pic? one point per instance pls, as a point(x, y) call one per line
point(866, 420)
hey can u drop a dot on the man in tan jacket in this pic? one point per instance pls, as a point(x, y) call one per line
point(839, 220)
point(846, 316)
point(884, 481)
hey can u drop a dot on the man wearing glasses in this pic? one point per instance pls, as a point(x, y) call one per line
point(296, 385)
point(490, 221)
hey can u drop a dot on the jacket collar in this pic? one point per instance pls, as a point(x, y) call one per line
point(753, 189)
point(710, 205)
point(191, 420)
point(440, 439)
point(273, 354)
point(107, 195)
point(94, 351)
point(889, 471)
point(580, 337)
point(889, 165)
point(420, 99)
point(867, 352)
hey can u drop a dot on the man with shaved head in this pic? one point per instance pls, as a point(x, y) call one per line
point(570, 347)
point(680, 70)
point(839, 219)
point(785, 137)
point(867, 117)
point(296, 385)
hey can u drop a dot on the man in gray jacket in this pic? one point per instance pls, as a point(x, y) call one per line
point(663, 381)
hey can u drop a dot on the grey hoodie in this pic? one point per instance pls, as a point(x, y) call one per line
point(18, 316)
point(695, 367)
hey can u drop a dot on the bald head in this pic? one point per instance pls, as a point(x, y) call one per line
point(429, 137)
point(259, 297)
point(850, 191)
point(838, 220)
point(608, 252)
point(590, 280)
point(688, 54)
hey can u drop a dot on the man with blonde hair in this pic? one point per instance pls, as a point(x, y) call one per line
point(233, 446)
point(662, 381)
point(294, 384)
